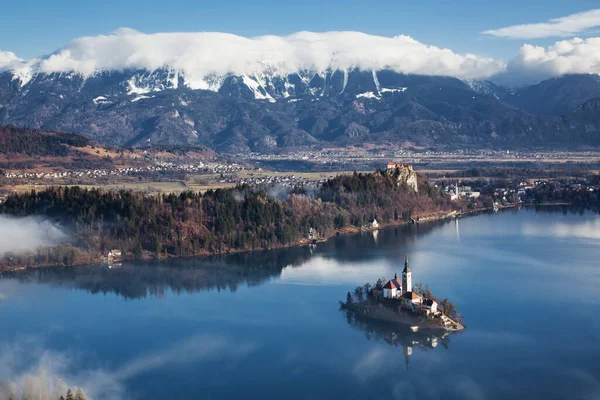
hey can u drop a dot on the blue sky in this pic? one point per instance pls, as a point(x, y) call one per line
point(33, 28)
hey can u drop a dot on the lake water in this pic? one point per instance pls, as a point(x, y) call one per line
point(268, 325)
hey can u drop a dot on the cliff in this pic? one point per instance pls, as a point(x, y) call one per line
point(404, 173)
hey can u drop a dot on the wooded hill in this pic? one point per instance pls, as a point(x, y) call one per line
point(218, 221)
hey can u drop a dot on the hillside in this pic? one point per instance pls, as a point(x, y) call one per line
point(34, 150)
point(556, 96)
point(32, 142)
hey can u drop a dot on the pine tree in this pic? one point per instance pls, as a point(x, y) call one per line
point(79, 394)
point(70, 395)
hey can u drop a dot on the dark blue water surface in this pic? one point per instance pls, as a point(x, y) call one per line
point(268, 325)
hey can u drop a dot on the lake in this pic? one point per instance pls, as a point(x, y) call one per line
point(268, 324)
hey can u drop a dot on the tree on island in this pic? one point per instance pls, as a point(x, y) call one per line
point(450, 310)
point(349, 299)
point(359, 294)
point(422, 290)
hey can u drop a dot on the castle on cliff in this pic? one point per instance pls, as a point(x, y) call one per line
point(406, 174)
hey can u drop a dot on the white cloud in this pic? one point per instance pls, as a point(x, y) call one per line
point(536, 63)
point(205, 57)
point(9, 60)
point(201, 55)
point(564, 26)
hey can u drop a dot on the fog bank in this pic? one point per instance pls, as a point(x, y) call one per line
point(28, 233)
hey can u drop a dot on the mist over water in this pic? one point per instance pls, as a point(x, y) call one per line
point(270, 323)
point(28, 233)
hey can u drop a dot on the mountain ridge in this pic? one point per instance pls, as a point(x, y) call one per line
point(274, 113)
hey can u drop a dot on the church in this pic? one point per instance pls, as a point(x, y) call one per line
point(393, 289)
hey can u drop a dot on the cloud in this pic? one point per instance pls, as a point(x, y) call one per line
point(535, 63)
point(203, 59)
point(589, 230)
point(26, 366)
point(202, 55)
point(8, 60)
point(194, 349)
point(564, 26)
point(28, 233)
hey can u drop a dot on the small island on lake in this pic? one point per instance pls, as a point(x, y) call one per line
point(399, 302)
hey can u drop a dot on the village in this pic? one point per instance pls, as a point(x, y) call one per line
point(396, 300)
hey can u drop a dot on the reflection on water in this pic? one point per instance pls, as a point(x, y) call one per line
point(134, 280)
point(397, 335)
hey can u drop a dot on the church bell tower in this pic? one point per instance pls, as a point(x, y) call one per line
point(406, 278)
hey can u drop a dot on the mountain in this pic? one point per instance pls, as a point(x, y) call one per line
point(267, 111)
point(555, 96)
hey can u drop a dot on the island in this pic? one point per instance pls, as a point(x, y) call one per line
point(400, 302)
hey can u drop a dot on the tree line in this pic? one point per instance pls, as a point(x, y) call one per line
point(218, 221)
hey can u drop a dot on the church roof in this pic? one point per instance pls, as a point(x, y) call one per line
point(392, 284)
point(406, 269)
point(412, 295)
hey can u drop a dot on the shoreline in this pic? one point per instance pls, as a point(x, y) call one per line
point(348, 230)
point(405, 318)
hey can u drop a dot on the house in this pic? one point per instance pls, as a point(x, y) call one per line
point(374, 223)
point(431, 306)
point(413, 298)
point(112, 254)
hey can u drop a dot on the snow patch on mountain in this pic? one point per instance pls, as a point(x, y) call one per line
point(141, 97)
point(101, 100)
point(368, 95)
point(393, 90)
point(259, 92)
point(23, 74)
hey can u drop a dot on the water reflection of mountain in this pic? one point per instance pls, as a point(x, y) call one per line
point(399, 336)
point(356, 248)
point(154, 278)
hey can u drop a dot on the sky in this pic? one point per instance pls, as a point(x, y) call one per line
point(35, 28)
point(32, 28)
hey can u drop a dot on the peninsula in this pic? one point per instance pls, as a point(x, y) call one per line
point(124, 224)
point(398, 301)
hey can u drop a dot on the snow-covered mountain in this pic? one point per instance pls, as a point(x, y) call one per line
point(268, 111)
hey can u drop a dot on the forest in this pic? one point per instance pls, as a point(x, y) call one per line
point(216, 222)
point(39, 143)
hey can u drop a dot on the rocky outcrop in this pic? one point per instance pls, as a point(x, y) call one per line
point(404, 173)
